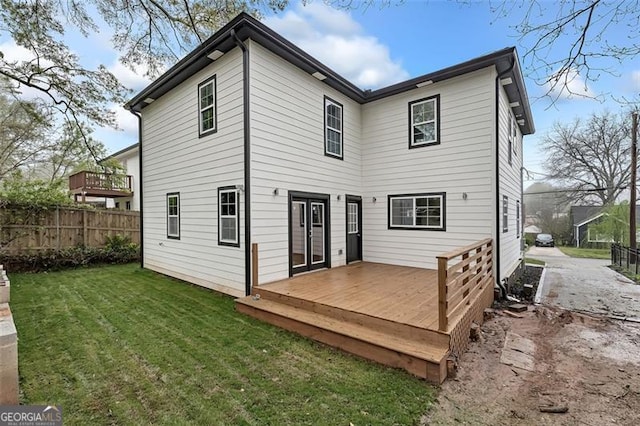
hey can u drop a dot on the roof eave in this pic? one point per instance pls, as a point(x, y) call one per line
point(246, 27)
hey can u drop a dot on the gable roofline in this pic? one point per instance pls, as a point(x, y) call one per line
point(247, 27)
point(124, 150)
point(589, 220)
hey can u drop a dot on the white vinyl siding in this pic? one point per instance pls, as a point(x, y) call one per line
point(228, 216)
point(207, 102)
point(176, 159)
point(510, 186)
point(462, 163)
point(288, 153)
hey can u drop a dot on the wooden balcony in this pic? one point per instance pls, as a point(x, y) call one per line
point(96, 184)
point(404, 317)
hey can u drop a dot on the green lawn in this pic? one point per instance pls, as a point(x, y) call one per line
point(533, 261)
point(586, 252)
point(121, 345)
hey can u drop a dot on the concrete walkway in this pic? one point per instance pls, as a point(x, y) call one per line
point(586, 285)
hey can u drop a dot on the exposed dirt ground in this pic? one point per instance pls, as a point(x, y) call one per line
point(589, 365)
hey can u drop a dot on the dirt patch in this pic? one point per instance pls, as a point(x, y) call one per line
point(588, 365)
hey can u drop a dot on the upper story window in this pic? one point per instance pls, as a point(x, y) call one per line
point(424, 122)
point(228, 217)
point(207, 114)
point(333, 128)
point(417, 211)
point(510, 139)
point(514, 133)
point(173, 215)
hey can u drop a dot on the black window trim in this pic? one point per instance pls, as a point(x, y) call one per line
point(324, 108)
point(518, 219)
point(228, 243)
point(169, 195)
point(410, 119)
point(510, 139)
point(212, 79)
point(443, 207)
point(505, 214)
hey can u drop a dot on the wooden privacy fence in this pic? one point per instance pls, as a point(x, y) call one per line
point(461, 284)
point(24, 230)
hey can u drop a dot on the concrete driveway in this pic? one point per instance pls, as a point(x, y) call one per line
point(539, 252)
point(586, 285)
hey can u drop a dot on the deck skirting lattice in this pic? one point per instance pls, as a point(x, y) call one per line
point(475, 313)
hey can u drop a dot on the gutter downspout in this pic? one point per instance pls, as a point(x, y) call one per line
point(247, 162)
point(503, 289)
point(139, 117)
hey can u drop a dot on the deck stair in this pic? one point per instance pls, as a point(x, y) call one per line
point(422, 352)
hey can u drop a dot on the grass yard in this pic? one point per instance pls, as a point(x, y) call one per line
point(533, 261)
point(587, 253)
point(121, 345)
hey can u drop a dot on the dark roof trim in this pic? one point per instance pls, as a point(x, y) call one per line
point(122, 151)
point(247, 27)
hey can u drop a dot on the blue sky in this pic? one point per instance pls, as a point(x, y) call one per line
point(377, 46)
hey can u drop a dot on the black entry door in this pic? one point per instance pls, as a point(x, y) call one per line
point(354, 228)
point(308, 232)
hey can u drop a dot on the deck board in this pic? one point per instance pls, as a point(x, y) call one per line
point(385, 313)
point(397, 293)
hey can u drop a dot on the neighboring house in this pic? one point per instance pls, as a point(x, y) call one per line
point(108, 190)
point(130, 160)
point(583, 217)
point(249, 140)
point(532, 229)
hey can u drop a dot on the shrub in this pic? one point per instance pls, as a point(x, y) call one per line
point(53, 260)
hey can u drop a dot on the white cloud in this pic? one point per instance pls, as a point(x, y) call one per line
point(569, 85)
point(14, 53)
point(126, 121)
point(635, 81)
point(131, 79)
point(126, 134)
point(334, 38)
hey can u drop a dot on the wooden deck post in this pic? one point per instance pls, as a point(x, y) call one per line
point(254, 262)
point(443, 265)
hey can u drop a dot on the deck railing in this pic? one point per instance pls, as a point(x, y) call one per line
point(96, 180)
point(463, 274)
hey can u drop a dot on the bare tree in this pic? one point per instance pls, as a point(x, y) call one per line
point(590, 158)
point(568, 41)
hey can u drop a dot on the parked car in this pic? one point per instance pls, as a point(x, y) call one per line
point(544, 240)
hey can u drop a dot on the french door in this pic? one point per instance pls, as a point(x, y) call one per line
point(354, 228)
point(308, 232)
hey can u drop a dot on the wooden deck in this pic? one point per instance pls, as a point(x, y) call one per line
point(395, 315)
point(395, 293)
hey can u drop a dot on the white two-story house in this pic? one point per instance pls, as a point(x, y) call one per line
point(249, 139)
